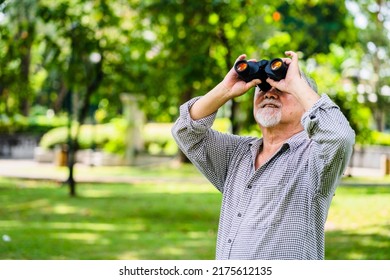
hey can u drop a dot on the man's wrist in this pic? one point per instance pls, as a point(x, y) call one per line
point(307, 96)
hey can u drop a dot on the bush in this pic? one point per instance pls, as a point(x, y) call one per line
point(158, 139)
point(111, 137)
point(12, 124)
point(380, 138)
point(39, 124)
point(115, 133)
point(42, 124)
point(90, 136)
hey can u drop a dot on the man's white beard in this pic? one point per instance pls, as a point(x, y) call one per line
point(268, 117)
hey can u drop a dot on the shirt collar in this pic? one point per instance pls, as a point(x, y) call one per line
point(293, 142)
point(297, 139)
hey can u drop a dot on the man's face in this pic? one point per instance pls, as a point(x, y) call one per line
point(275, 107)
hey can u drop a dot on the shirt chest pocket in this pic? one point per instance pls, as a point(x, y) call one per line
point(266, 206)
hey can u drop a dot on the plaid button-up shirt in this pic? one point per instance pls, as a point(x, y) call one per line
point(279, 210)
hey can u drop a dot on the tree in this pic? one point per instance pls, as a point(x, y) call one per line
point(314, 26)
point(194, 47)
point(87, 52)
point(16, 46)
point(81, 68)
point(197, 42)
point(372, 72)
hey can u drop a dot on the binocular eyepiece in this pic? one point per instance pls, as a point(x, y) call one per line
point(275, 69)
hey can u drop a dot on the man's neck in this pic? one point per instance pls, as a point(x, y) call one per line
point(274, 137)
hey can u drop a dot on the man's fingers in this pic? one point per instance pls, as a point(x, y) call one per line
point(291, 53)
point(271, 82)
point(241, 57)
point(294, 61)
point(287, 60)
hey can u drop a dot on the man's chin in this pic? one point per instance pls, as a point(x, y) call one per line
point(268, 120)
point(268, 124)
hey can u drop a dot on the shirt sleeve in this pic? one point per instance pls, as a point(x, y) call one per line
point(332, 143)
point(209, 150)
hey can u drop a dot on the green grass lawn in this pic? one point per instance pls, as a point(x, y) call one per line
point(358, 225)
point(161, 220)
point(108, 221)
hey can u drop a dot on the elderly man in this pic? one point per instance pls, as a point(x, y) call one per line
point(276, 189)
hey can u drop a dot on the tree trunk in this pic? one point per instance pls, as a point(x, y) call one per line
point(71, 162)
point(86, 102)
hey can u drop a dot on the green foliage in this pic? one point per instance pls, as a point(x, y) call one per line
point(327, 70)
point(89, 136)
point(41, 124)
point(15, 123)
point(38, 124)
point(222, 125)
point(158, 138)
point(111, 137)
point(315, 25)
point(371, 72)
point(380, 138)
point(54, 137)
point(88, 52)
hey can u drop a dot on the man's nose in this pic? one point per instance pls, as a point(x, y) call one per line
point(272, 93)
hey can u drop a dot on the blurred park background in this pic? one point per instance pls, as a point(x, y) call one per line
point(89, 90)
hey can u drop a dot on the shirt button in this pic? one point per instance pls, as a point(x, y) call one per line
point(229, 241)
point(249, 187)
point(239, 215)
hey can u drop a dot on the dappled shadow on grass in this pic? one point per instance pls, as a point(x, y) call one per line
point(109, 222)
point(66, 242)
point(169, 220)
point(357, 245)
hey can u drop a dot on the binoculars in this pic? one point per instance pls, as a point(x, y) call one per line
point(275, 69)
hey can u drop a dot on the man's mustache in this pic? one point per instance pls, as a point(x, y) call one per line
point(270, 102)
